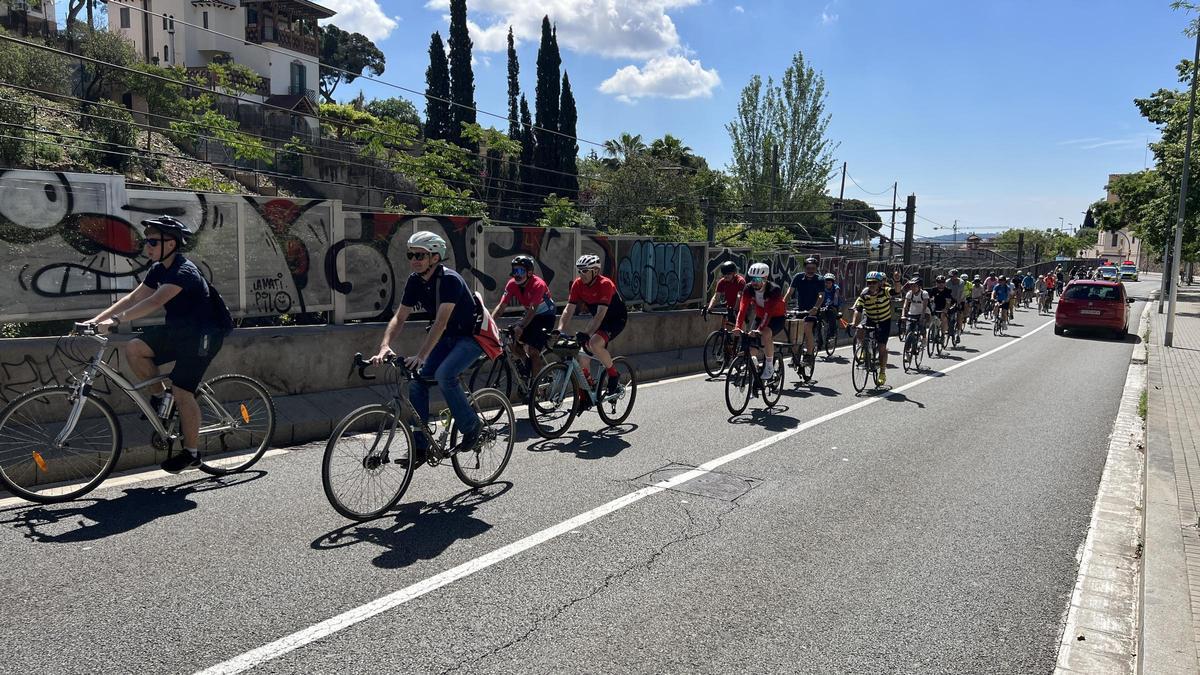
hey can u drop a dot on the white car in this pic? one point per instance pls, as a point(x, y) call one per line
point(1109, 273)
point(1129, 272)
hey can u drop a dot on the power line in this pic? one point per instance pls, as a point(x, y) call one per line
point(866, 190)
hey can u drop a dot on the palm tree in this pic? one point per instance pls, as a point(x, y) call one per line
point(622, 149)
point(669, 148)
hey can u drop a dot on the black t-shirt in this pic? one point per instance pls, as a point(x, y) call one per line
point(189, 309)
point(806, 289)
point(941, 298)
point(444, 286)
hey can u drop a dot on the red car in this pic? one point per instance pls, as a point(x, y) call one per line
point(1097, 305)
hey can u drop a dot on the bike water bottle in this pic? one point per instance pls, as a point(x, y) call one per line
point(166, 405)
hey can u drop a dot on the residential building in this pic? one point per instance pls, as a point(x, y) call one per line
point(278, 39)
point(1120, 245)
point(29, 17)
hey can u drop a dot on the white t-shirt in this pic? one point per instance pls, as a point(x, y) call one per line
point(917, 304)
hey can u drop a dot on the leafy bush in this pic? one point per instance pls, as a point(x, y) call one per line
point(114, 128)
point(14, 147)
point(28, 66)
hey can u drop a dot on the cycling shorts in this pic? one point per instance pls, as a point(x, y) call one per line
point(883, 331)
point(609, 331)
point(190, 349)
point(537, 333)
point(777, 324)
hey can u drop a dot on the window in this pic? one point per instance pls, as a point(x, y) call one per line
point(206, 20)
point(1114, 239)
point(171, 27)
point(299, 77)
point(166, 56)
point(1092, 292)
point(164, 21)
point(125, 23)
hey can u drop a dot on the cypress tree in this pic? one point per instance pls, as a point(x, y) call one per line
point(437, 91)
point(462, 79)
point(528, 150)
point(514, 90)
point(567, 143)
point(546, 155)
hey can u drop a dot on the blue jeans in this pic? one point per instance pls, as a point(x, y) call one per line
point(449, 358)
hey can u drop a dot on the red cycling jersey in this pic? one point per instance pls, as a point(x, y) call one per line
point(767, 303)
point(731, 289)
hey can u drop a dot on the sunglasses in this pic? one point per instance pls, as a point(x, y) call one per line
point(420, 255)
point(585, 270)
point(152, 242)
point(518, 272)
point(757, 280)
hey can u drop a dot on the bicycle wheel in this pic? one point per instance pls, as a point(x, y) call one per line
point(860, 368)
point(368, 462)
point(806, 369)
point(907, 357)
point(552, 405)
point(237, 423)
point(739, 385)
point(492, 374)
point(931, 337)
point(33, 467)
point(831, 341)
point(773, 388)
point(483, 465)
point(714, 353)
point(616, 408)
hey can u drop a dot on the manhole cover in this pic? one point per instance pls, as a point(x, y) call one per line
point(714, 485)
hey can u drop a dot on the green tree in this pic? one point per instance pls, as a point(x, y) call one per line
point(568, 180)
point(860, 221)
point(546, 108)
point(110, 54)
point(526, 169)
point(395, 108)
point(622, 149)
point(462, 79)
point(778, 138)
point(437, 92)
point(559, 212)
point(344, 57)
point(514, 90)
point(512, 172)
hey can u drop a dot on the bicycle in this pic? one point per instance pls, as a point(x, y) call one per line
point(1044, 303)
point(865, 363)
point(561, 391)
point(803, 366)
point(973, 317)
point(507, 373)
point(362, 448)
point(825, 333)
point(745, 380)
point(720, 346)
point(912, 348)
point(936, 338)
point(952, 332)
point(58, 443)
point(999, 322)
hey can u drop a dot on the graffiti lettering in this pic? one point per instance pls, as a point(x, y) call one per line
point(658, 275)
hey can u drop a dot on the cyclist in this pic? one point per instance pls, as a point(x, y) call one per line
point(978, 293)
point(990, 282)
point(958, 291)
point(598, 295)
point(449, 347)
point(729, 287)
point(189, 337)
point(943, 302)
point(1051, 282)
point(1027, 283)
point(1059, 279)
point(831, 304)
point(1040, 290)
point(873, 311)
point(531, 292)
point(916, 309)
point(1001, 295)
point(809, 290)
point(766, 299)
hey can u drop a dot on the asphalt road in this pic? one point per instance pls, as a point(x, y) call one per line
point(932, 530)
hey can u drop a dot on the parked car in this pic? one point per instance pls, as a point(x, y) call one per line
point(1093, 304)
point(1109, 273)
point(1129, 272)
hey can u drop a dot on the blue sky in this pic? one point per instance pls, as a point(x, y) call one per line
point(994, 113)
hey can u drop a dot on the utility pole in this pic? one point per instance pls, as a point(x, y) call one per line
point(710, 219)
point(891, 239)
point(841, 201)
point(955, 228)
point(910, 224)
point(1169, 334)
point(1020, 249)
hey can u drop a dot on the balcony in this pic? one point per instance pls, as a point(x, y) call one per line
point(305, 44)
point(307, 93)
point(207, 77)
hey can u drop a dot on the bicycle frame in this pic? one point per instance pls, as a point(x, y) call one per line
point(575, 378)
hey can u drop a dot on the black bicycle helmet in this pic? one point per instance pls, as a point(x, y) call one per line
point(523, 261)
point(170, 227)
point(728, 267)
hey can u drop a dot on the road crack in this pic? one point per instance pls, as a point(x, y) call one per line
point(687, 535)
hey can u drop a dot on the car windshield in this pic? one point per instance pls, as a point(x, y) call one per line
point(1092, 292)
point(1108, 270)
point(1128, 268)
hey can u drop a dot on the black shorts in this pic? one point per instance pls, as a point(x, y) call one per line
point(883, 330)
point(537, 333)
point(191, 350)
point(778, 325)
point(610, 331)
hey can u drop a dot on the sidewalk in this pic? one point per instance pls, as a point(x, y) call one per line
point(1171, 573)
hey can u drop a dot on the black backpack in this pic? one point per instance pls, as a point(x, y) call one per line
point(222, 318)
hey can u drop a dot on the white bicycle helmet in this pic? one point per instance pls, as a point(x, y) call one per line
point(830, 277)
point(428, 241)
point(588, 261)
point(875, 276)
point(762, 270)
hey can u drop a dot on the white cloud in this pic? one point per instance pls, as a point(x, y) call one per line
point(1095, 143)
point(739, 9)
point(664, 77)
point(362, 16)
point(828, 18)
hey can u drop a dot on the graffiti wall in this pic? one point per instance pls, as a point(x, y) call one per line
point(660, 275)
point(553, 250)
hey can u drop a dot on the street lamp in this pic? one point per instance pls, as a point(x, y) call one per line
point(171, 33)
point(1169, 333)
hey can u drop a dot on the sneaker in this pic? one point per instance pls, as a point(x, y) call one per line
point(181, 461)
point(612, 386)
point(768, 372)
point(470, 440)
point(882, 377)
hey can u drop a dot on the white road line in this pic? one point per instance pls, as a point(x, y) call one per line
point(273, 650)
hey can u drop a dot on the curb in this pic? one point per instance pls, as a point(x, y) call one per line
point(1101, 631)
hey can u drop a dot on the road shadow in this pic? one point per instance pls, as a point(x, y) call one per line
point(947, 356)
point(901, 398)
point(587, 444)
point(771, 419)
point(417, 530)
point(804, 390)
point(1097, 335)
point(92, 518)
